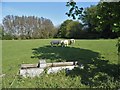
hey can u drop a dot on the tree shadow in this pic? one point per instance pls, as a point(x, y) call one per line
point(95, 69)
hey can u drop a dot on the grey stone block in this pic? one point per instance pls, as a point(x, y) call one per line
point(31, 72)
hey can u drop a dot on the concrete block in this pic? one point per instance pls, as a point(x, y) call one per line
point(31, 72)
point(57, 69)
point(42, 64)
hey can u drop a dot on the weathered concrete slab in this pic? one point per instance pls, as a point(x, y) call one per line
point(24, 66)
point(57, 64)
point(57, 69)
point(31, 72)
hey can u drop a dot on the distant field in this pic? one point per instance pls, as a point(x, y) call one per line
point(98, 56)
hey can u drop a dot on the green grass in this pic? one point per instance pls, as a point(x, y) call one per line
point(98, 56)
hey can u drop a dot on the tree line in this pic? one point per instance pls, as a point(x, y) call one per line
point(97, 21)
point(75, 29)
point(31, 27)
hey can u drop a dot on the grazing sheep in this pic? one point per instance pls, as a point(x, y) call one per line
point(55, 42)
point(72, 41)
point(64, 43)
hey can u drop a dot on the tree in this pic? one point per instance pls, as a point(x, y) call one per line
point(62, 32)
point(109, 16)
point(70, 29)
point(74, 29)
point(91, 17)
point(28, 27)
point(74, 10)
point(106, 14)
point(1, 31)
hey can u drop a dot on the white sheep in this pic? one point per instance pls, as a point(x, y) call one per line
point(72, 41)
point(64, 43)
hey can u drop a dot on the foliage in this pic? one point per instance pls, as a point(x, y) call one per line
point(102, 18)
point(74, 10)
point(74, 28)
point(89, 18)
point(92, 17)
point(62, 32)
point(28, 27)
point(7, 37)
point(98, 56)
point(108, 15)
point(0, 32)
point(70, 29)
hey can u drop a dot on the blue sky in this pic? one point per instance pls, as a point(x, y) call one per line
point(55, 11)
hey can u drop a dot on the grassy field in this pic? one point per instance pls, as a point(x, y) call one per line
point(98, 56)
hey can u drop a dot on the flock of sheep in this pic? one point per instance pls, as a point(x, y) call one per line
point(63, 43)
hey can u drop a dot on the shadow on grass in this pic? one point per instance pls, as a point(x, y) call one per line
point(95, 69)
